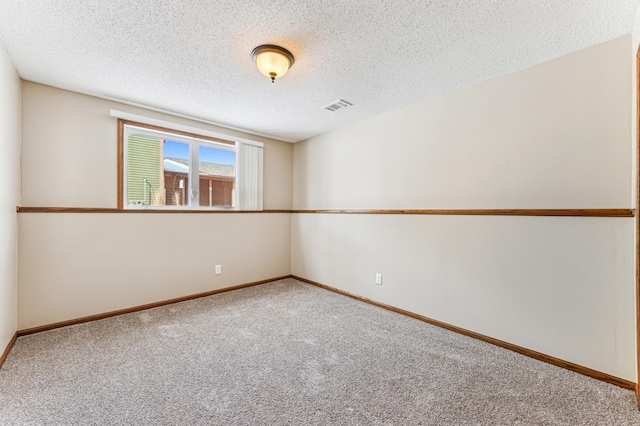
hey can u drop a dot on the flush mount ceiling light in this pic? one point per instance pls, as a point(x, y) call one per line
point(272, 61)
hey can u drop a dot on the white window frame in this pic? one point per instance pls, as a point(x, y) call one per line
point(166, 128)
point(194, 165)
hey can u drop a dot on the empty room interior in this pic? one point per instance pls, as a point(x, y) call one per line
point(302, 212)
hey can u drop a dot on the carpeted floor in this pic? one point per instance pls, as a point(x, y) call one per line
point(288, 353)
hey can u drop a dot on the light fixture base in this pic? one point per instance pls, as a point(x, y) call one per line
point(272, 61)
point(272, 48)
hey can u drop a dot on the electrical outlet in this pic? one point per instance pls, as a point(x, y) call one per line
point(218, 269)
point(379, 279)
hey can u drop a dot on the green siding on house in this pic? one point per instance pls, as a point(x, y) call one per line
point(143, 162)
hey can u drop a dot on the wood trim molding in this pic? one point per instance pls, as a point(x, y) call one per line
point(120, 164)
point(104, 315)
point(8, 348)
point(135, 211)
point(638, 225)
point(487, 212)
point(519, 349)
point(172, 131)
point(529, 212)
point(524, 351)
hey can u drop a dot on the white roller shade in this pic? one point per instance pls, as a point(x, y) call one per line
point(249, 176)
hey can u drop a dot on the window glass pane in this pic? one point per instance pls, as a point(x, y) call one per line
point(179, 171)
point(217, 176)
point(176, 174)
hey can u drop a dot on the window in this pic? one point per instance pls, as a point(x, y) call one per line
point(163, 168)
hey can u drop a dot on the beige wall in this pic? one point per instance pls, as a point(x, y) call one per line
point(552, 136)
point(9, 196)
point(74, 265)
point(635, 36)
point(560, 286)
point(70, 147)
point(558, 135)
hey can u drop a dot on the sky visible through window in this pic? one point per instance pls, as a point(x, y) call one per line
point(180, 150)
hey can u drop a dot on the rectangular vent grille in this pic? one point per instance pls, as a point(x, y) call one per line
point(337, 105)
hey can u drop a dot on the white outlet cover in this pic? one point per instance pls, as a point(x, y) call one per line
point(218, 269)
point(379, 279)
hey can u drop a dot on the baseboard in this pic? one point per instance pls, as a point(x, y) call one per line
point(8, 348)
point(141, 307)
point(515, 348)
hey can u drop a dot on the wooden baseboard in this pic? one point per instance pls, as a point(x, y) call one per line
point(519, 349)
point(140, 308)
point(8, 349)
point(515, 348)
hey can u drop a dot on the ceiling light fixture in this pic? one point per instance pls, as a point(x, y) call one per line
point(272, 61)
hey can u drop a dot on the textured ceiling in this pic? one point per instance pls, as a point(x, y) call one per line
point(193, 57)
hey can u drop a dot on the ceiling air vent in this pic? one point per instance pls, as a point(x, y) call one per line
point(337, 105)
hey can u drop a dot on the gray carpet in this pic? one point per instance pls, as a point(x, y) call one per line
point(288, 353)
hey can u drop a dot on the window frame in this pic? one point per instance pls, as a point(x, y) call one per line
point(194, 140)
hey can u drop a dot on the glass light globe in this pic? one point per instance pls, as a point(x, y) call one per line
point(272, 61)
